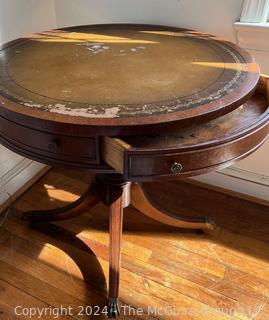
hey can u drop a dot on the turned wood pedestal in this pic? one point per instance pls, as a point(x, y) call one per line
point(130, 103)
point(116, 194)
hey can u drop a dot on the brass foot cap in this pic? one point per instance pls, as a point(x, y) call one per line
point(113, 308)
point(210, 224)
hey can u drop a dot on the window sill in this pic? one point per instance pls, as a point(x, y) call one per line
point(253, 36)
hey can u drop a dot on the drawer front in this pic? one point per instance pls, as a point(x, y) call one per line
point(53, 146)
point(144, 164)
point(147, 165)
point(193, 150)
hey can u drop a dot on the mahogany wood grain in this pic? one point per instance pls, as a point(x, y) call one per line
point(198, 149)
point(115, 236)
point(142, 203)
point(110, 190)
point(85, 203)
point(112, 151)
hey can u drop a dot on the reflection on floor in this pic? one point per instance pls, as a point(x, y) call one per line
point(170, 273)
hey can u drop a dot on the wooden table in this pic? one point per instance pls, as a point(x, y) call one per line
point(131, 103)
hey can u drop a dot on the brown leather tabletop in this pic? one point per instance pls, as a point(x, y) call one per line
point(124, 75)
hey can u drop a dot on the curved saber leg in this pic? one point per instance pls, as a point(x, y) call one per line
point(140, 201)
point(87, 201)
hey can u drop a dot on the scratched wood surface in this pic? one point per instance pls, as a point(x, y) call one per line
point(161, 266)
point(227, 126)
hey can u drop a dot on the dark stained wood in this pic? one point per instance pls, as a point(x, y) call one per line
point(225, 269)
point(184, 151)
point(108, 189)
point(55, 146)
point(85, 203)
point(113, 191)
point(142, 203)
point(156, 94)
point(115, 239)
point(197, 149)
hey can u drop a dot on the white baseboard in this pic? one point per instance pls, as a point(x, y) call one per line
point(18, 175)
point(240, 181)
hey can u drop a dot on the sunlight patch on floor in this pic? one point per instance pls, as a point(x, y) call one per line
point(60, 194)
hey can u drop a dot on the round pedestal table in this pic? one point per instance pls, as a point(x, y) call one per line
point(130, 103)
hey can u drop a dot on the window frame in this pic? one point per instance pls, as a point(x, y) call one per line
point(255, 11)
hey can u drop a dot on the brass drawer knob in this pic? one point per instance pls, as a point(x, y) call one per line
point(176, 167)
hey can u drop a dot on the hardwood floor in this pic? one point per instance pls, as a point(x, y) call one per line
point(182, 274)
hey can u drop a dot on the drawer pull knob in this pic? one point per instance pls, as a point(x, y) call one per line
point(52, 146)
point(176, 167)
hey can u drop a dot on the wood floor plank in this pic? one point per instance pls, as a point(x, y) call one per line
point(145, 243)
point(164, 278)
point(23, 256)
point(36, 288)
point(125, 290)
point(225, 209)
point(161, 266)
point(6, 312)
point(15, 298)
point(50, 276)
point(193, 285)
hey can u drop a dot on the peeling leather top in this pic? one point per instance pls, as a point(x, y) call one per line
point(119, 71)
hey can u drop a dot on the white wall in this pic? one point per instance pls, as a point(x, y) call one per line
point(255, 39)
point(21, 17)
point(214, 16)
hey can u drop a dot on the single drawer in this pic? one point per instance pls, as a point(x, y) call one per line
point(193, 150)
point(49, 148)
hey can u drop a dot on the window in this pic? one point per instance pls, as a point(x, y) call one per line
point(255, 11)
